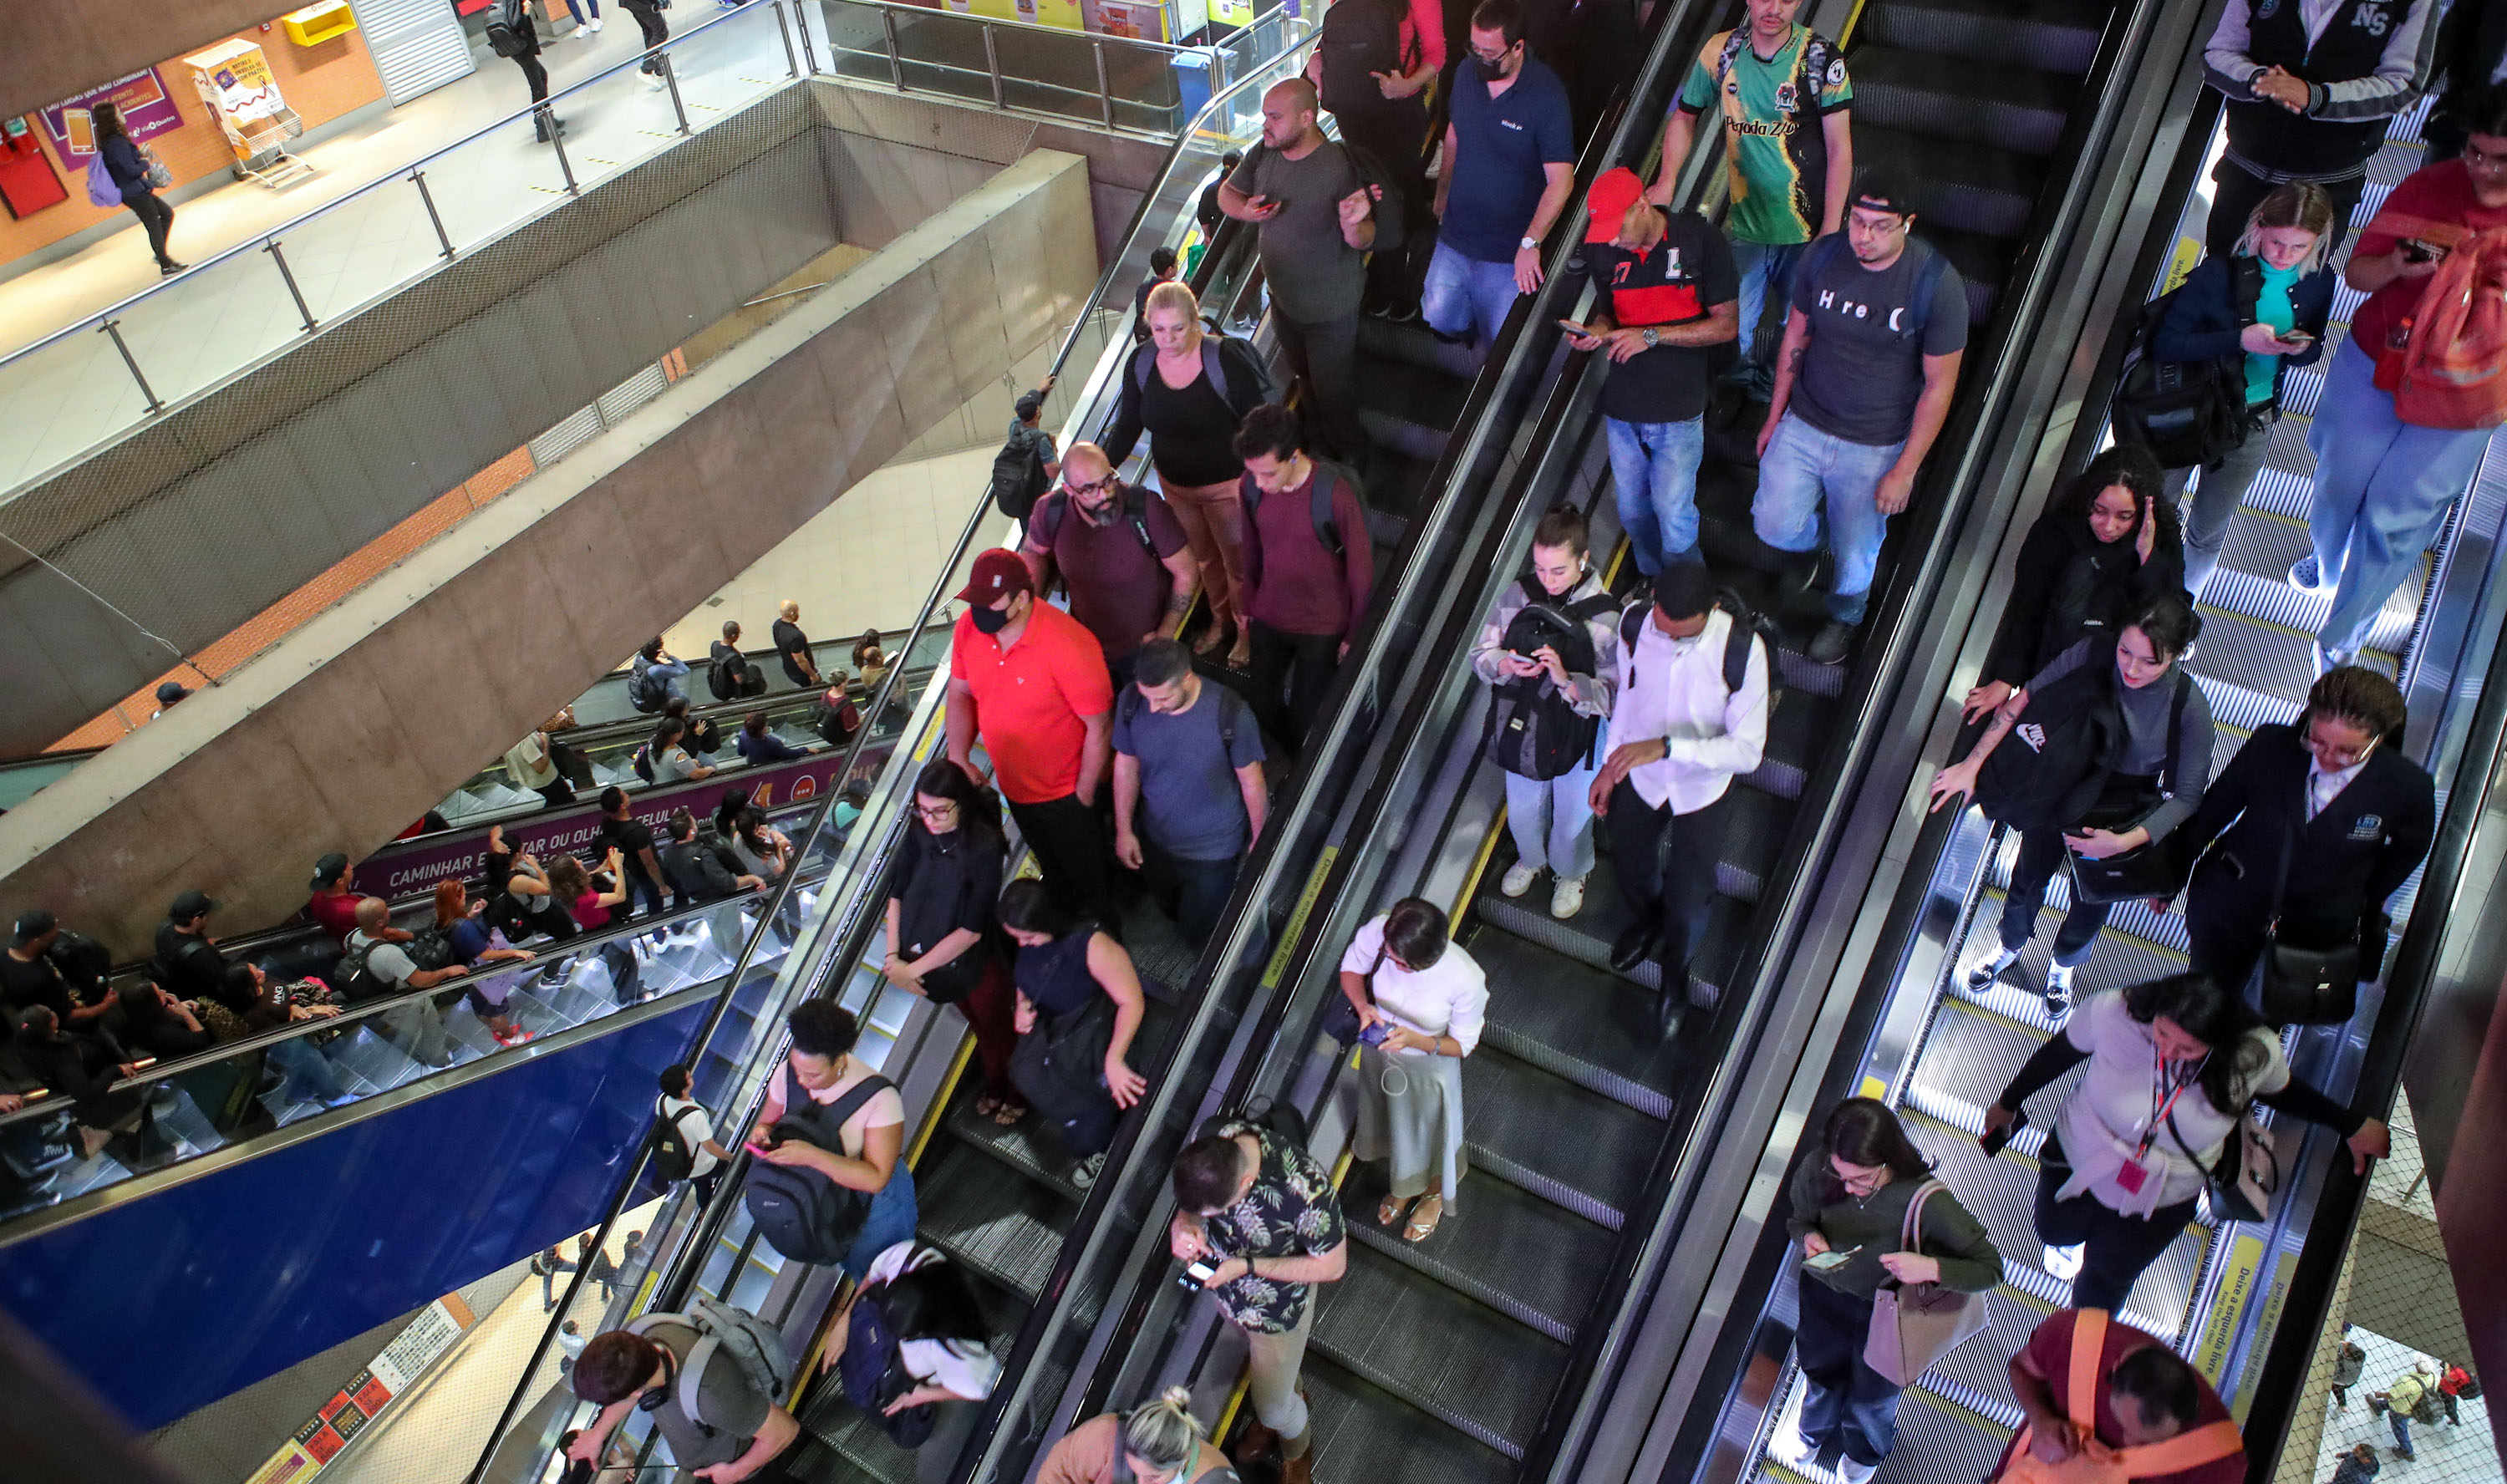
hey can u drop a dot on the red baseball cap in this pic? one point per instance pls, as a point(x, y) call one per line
point(1607, 201)
point(997, 573)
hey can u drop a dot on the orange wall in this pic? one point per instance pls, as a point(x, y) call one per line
point(320, 83)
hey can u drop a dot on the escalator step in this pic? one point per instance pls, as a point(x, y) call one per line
point(2052, 35)
point(1588, 936)
point(1521, 1255)
point(1402, 435)
point(1986, 263)
point(1365, 1435)
point(1799, 731)
point(1009, 1230)
point(1414, 344)
point(839, 1444)
point(2269, 657)
point(1585, 1023)
point(1012, 1146)
point(1969, 1056)
point(1459, 1362)
point(1581, 1150)
point(1967, 187)
point(1997, 102)
point(1428, 397)
point(1938, 1440)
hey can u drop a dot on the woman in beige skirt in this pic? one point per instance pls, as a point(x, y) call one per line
point(1421, 1003)
point(1188, 389)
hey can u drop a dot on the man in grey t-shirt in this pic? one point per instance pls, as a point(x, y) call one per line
point(1863, 384)
point(743, 1432)
point(418, 1025)
point(1188, 778)
point(1317, 224)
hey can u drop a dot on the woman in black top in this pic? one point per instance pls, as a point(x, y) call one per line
point(1168, 389)
point(943, 928)
point(129, 167)
point(1065, 963)
point(158, 1024)
point(2105, 546)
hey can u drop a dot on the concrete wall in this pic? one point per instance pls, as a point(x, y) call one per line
point(354, 725)
point(57, 47)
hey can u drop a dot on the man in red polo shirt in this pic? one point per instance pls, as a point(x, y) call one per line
point(2142, 1397)
point(1030, 680)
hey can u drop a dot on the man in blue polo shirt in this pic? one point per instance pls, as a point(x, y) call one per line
point(1509, 167)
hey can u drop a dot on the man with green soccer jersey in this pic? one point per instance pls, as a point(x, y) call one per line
point(1784, 96)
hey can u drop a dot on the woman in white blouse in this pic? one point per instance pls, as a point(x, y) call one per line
point(924, 1301)
point(1421, 1002)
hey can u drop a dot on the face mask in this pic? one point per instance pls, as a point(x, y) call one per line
point(1488, 71)
point(991, 620)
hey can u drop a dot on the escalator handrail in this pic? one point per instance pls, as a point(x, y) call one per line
point(679, 1269)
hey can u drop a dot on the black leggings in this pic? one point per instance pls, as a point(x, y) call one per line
point(2116, 1249)
point(656, 31)
point(156, 216)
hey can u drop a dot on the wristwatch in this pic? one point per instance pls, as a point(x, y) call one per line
point(1527, 244)
point(1651, 339)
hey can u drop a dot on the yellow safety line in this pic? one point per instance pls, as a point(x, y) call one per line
point(1845, 37)
point(940, 1103)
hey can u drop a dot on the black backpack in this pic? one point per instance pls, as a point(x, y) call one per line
point(1018, 475)
point(431, 948)
point(2049, 772)
point(802, 1213)
point(646, 691)
point(1214, 365)
point(1319, 497)
point(355, 980)
point(675, 1154)
point(1747, 625)
point(2188, 414)
point(1136, 514)
point(1533, 731)
point(1359, 39)
point(505, 29)
point(727, 673)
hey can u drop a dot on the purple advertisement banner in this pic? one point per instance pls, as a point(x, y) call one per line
point(147, 110)
point(407, 867)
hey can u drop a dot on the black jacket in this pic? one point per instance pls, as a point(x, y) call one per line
point(2469, 45)
point(121, 162)
point(2342, 864)
point(2205, 319)
point(695, 872)
point(2066, 575)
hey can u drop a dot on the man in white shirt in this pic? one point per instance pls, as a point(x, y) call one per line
point(1679, 734)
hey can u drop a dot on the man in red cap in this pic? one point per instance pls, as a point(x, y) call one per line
point(1030, 680)
point(1664, 290)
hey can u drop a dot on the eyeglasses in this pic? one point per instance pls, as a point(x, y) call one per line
point(936, 811)
point(1492, 57)
point(2478, 158)
point(1099, 488)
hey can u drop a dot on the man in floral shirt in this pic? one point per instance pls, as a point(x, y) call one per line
point(1264, 1214)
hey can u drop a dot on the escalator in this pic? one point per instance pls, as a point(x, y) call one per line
point(2254, 665)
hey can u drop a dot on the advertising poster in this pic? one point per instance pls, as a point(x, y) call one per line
point(146, 112)
point(368, 1392)
point(1231, 15)
point(1131, 19)
point(1064, 13)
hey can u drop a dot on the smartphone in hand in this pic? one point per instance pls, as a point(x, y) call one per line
point(1832, 1259)
point(1991, 1140)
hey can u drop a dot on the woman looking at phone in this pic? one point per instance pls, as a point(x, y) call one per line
point(1850, 1196)
point(1421, 1003)
point(2267, 306)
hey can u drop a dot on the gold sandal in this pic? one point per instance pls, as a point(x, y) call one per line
point(1423, 1224)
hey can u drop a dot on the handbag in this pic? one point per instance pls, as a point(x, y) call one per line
point(1915, 1325)
point(1060, 1066)
point(159, 176)
point(1340, 1017)
point(2243, 1184)
point(2096, 1463)
point(2151, 872)
point(2305, 986)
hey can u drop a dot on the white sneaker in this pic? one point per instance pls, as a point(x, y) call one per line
point(1518, 879)
point(1789, 1446)
point(1853, 1473)
point(2064, 1263)
point(1567, 897)
point(597, 22)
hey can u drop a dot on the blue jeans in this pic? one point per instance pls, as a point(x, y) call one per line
point(890, 1222)
point(311, 1077)
point(1654, 467)
point(2401, 1423)
point(1552, 820)
point(1767, 287)
point(2382, 487)
point(1806, 473)
point(1465, 296)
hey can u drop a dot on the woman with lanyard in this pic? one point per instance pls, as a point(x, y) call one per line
point(1421, 1004)
point(1191, 417)
point(2152, 780)
point(2173, 1063)
point(944, 926)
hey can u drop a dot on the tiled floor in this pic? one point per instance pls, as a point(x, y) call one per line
point(2446, 1453)
point(64, 399)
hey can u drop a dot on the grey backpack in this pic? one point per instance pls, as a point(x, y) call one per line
point(755, 1346)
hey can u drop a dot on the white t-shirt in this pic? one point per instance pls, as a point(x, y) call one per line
point(697, 1128)
point(1447, 997)
point(965, 1369)
point(2103, 1121)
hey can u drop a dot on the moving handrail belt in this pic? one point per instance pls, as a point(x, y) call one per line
point(2068, 229)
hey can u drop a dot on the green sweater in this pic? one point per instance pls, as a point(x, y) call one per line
point(1969, 1262)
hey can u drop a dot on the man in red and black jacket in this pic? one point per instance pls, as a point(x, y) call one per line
point(1665, 291)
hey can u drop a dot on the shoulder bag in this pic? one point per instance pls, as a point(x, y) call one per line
point(2243, 1184)
point(2305, 986)
point(1915, 1325)
point(1340, 1017)
point(2096, 1463)
point(2152, 870)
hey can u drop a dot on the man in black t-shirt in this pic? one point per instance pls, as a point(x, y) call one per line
point(729, 674)
point(1665, 290)
point(1862, 384)
point(633, 840)
point(27, 976)
point(187, 962)
point(800, 666)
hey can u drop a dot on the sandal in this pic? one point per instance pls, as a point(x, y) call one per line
point(986, 1105)
point(1242, 655)
point(1009, 1114)
point(1423, 1222)
point(1210, 639)
point(1391, 1208)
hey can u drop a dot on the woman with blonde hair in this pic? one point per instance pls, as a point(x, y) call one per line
point(1159, 1442)
point(2265, 306)
point(1189, 388)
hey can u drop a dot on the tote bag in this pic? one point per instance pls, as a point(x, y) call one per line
point(1915, 1325)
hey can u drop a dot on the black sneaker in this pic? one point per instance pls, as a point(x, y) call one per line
point(1830, 644)
point(2058, 989)
point(1990, 969)
point(1085, 1174)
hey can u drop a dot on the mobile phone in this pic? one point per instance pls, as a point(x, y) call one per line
point(2419, 251)
point(1991, 1140)
point(2297, 338)
point(755, 1147)
point(1373, 1035)
point(1198, 1273)
point(1830, 1260)
point(1573, 328)
point(38, 1095)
